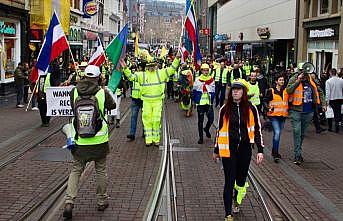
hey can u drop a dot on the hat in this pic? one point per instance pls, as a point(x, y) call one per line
point(300, 65)
point(240, 83)
point(205, 66)
point(92, 71)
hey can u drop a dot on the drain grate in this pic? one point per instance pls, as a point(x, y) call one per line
point(53, 154)
point(316, 165)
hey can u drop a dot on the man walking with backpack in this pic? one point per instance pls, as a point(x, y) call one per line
point(89, 102)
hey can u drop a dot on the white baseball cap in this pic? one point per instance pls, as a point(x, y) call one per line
point(92, 71)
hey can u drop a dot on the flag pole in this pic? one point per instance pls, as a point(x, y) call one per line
point(33, 92)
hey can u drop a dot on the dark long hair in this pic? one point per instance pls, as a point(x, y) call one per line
point(227, 108)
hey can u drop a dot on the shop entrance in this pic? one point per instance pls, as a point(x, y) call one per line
point(322, 60)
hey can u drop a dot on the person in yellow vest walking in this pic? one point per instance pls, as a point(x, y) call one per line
point(203, 97)
point(152, 84)
point(304, 96)
point(238, 128)
point(277, 99)
point(221, 76)
point(254, 90)
point(247, 69)
point(89, 102)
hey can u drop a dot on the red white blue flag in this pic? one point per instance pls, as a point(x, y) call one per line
point(98, 58)
point(192, 30)
point(54, 44)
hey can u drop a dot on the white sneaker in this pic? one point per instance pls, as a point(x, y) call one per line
point(235, 208)
point(20, 105)
point(35, 109)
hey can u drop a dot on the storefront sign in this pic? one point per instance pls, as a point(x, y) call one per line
point(328, 32)
point(90, 8)
point(75, 34)
point(7, 28)
point(221, 37)
point(263, 33)
point(58, 101)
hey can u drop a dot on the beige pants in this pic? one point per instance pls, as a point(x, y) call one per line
point(101, 180)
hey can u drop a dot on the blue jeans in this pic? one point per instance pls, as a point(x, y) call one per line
point(277, 123)
point(300, 122)
point(136, 104)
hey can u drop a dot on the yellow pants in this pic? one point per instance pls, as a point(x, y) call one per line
point(151, 117)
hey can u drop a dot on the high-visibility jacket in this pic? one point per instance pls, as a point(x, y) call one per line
point(223, 141)
point(240, 74)
point(254, 89)
point(102, 135)
point(247, 69)
point(135, 90)
point(279, 105)
point(152, 83)
point(224, 75)
point(297, 97)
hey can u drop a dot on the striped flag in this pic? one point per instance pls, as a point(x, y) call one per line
point(98, 58)
point(55, 42)
point(184, 54)
point(192, 30)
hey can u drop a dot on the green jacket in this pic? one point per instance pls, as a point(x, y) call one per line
point(293, 84)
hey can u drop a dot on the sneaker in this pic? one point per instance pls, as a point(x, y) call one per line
point(35, 109)
point(102, 207)
point(296, 161)
point(207, 132)
point(156, 144)
point(200, 141)
point(148, 144)
point(20, 106)
point(229, 218)
point(131, 137)
point(68, 211)
point(235, 208)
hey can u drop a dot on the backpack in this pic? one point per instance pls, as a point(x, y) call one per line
point(88, 117)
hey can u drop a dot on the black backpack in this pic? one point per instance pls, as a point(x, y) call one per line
point(88, 117)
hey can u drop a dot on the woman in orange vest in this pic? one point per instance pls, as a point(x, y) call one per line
point(239, 128)
point(277, 98)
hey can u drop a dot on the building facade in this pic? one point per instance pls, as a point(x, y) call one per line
point(262, 30)
point(320, 38)
point(13, 41)
point(162, 22)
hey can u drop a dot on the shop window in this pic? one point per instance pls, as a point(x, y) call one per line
point(335, 6)
point(9, 57)
point(323, 7)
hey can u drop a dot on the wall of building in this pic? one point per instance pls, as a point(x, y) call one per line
point(246, 16)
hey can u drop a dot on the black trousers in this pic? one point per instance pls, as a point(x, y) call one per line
point(202, 110)
point(42, 110)
point(220, 90)
point(235, 170)
point(336, 107)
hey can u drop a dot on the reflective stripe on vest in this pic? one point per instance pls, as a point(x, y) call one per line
point(102, 134)
point(279, 105)
point(254, 89)
point(224, 75)
point(154, 90)
point(297, 96)
point(222, 139)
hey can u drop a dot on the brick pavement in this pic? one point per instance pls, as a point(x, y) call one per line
point(26, 181)
point(312, 190)
point(132, 170)
point(199, 181)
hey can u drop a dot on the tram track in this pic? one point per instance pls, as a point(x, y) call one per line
point(52, 201)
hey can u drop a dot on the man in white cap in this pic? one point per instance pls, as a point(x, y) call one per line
point(89, 102)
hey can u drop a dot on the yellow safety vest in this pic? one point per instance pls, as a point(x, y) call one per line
point(254, 89)
point(102, 135)
point(224, 75)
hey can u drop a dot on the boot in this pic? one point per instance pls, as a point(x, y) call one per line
point(117, 123)
point(68, 211)
point(131, 137)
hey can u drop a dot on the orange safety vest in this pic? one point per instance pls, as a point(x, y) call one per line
point(279, 105)
point(297, 96)
point(222, 139)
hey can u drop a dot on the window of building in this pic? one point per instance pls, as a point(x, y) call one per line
point(118, 26)
point(75, 4)
point(335, 6)
point(101, 12)
point(307, 13)
point(323, 7)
